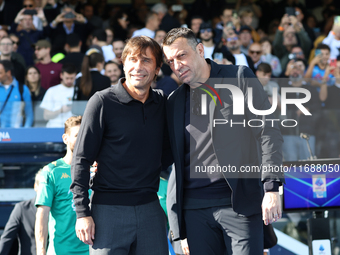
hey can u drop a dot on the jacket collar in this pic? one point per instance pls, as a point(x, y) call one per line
point(124, 97)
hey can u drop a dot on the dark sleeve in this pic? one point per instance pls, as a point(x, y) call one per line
point(167, 158)
point(269, 134)
point(85, 153)
point(11, 230)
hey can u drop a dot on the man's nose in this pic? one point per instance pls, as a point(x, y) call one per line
point(177, 64)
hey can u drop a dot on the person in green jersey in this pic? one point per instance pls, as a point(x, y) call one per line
point(56, 214)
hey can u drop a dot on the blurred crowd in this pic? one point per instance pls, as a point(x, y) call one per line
point(55, 54)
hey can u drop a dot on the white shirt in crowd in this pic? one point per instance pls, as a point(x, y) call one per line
point(240, 59)
point(55, 97)
point(208, 51)
point(144, 31)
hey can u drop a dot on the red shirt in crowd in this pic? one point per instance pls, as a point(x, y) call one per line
point(50, 74)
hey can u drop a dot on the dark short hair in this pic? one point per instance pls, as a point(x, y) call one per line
point(264, 67)
point(181, 32)
point(139, 44)
point(322, 46)
point(111, 62)
point(301, 60)
point(227, 7)
point(68, 68)
point(73, 40)
point(100, 34)
point(117, 39)
point(72, 122)
point(196, 17)
point(8, 66)
point(265, 39)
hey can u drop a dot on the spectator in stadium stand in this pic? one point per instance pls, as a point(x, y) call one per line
point(330, 95)
point(50, 71)
point(57, 100)
point(16, 41)
point(91, 79)
point(98, 37)
point(28, 36)
point(109, 35)
point(151, 25)
point(112, 70)
point(119, 23)
point(117, 48)
point(255, 52)
point(268, 57)
point(87, 10)
point(39, 18)
point(73, 51)
point(33, 82)
point(15, 99)
point(246, 19)
point(168, 22)
point(195, 24)
point(317, 70)
point(6, 47)
point(290, 33)
point(62, 26)
point(20, 226)
point(233, 44)
point(296, 52)
point(55, 215)
point(246, 38)
point(206, 35)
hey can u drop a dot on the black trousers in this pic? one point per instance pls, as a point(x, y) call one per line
point(221, 231)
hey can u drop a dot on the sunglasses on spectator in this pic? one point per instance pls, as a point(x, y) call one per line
point(209, 30)
point(232, 39)
point(254, 51)
point(16, 42)
point(28, 6)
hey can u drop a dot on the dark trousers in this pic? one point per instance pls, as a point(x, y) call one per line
point(129, 230)
point(221, 231)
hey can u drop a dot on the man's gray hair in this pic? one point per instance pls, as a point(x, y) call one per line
point(160, 7)
point(181, 32)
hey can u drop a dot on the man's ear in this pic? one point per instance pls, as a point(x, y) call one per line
point(65, 138)
point(200, 49)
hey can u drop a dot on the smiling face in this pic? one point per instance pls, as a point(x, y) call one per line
point(140, 69)
point(113, 72)
point(325, 54)
point(117, 48)
point(184, 61)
